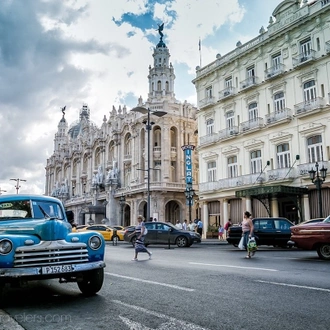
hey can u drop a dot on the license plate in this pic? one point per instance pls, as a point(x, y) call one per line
point(56, 269)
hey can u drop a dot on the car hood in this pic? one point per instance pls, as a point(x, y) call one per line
point(45, 229)
point(311, 226)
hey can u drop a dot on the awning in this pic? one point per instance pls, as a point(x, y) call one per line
point(271, 190)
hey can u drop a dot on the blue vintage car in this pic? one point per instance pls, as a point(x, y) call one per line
point(37, 242)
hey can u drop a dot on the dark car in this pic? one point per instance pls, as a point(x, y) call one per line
point(164, 233)
point(313, 236)
point(268, 231)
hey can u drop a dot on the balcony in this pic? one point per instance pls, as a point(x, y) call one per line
point(281, 174)
point(327, 46)
point(229, 132)
point(303, 169)
point(208, 101)
point(173, 152)
point(227, 93)
point(303, 58)
point(252, 125)
point(157, 151)
point(209, 139)
point(279, 117)
point(249, 83)
point(274, 71)
point(310, 106)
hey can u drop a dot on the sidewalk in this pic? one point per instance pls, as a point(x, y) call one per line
point(213, 241)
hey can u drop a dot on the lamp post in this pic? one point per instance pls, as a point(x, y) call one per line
point(318, 177)
point(189, 192)
point(17, 184)
point(122, 201)
point(148, 128)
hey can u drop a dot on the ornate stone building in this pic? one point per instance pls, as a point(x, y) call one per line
point(264, 120)
point(101, 173)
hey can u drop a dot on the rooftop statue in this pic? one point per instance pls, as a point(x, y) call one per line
point(160, 29)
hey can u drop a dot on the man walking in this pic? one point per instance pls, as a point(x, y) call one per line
point(200, 227)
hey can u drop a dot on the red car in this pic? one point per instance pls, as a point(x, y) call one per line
point(313, 236)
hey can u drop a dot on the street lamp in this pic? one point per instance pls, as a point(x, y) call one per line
point(318, 177)
point(122, 201)
point(148, 128)
point(189, 192)
point(17, 184)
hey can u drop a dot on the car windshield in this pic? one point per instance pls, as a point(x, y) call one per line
point(30, 209)
point(327, 219)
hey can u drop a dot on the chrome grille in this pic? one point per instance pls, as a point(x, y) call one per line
point(51, 253)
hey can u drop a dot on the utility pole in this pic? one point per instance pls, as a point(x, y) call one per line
point(1, 191)
point(17, 184)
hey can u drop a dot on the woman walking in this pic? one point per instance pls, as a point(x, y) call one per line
point(140, 235)
point(247, 229)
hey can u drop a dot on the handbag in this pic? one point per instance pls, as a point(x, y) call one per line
point(241, 244)
point(252, 245)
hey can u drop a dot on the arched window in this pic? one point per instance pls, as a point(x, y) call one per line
point(159, 85)
point(232, 167)
point(309, 91)
point(256, 162)
point(279, 102)
point(209, 126)
point(253, 111)
point(283, 155)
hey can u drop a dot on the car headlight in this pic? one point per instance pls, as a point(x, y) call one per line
point(5, 246)
point(95, 242)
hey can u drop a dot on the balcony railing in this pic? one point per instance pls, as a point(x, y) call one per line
point(227, 92)
point(209, 139)
point(309, 106)
point(281, 174)
point(327, 46)
point(252, 125)
point(303, 169)
point(228, 132)
point(303, 58)
point(249, 82)
point(274, 71)
point(206, 102)
point(279, 116)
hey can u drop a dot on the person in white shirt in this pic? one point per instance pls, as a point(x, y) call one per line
point(191, 225)
point(184, 225)
point(178, 224)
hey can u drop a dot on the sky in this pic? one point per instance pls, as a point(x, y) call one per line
point(97, 52)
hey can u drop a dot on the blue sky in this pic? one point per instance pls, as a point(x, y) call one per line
point(55, 53)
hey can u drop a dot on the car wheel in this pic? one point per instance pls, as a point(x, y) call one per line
point(133, 241)
point(181, 241)
point(323, 251)
point(92, 282)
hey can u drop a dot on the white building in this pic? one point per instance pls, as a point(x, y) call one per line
point(264, 120)
point(101, 173)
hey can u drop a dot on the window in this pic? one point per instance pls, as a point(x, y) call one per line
point(256, 163)
point(232, 167)
point(306, 47)
point(279, 102)
point(159, 85)
point(276, 61)
point(211, 171)
point(250, 72)
point(230, 119)
point(209, 126)
point(209, 92)
point(253, 111)
point(315, 150)
point(309, 91)
point(229, 82)
point(283, 156)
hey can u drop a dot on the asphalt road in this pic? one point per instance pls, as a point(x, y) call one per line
point(202, 287)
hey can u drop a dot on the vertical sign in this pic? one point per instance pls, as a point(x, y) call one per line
point(188, 161)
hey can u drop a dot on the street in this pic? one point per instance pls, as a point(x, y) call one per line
point(206, 286)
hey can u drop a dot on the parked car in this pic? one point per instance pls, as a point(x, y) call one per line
point(107, 232)
point(310, 221)
point(314, 236)
point(37, 243)
point(163, 233)
point(268, 231)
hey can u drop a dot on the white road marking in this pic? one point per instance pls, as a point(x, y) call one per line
point(152, 282)
point(231, 266)
point(295, 286)
point(171, 322)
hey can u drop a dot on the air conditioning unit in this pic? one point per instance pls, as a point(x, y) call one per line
point(303, 59)
point(226, 93)
point(244, 86)
point(269, 120)
point(269, 75)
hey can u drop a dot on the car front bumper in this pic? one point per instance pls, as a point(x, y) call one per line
point(37, 271)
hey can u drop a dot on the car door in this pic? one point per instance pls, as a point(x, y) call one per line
point(283, 232)
point(265, 231)
point(151, 236)
point(163, 233)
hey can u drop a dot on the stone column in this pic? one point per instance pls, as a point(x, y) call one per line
point(205, 218)
point(274, 207)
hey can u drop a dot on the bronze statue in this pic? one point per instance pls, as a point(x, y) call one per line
point(160, 29)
